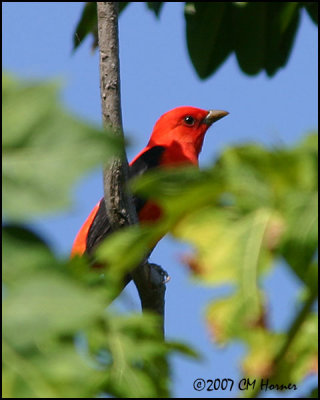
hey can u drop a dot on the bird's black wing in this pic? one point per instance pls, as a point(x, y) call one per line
point(100, 227)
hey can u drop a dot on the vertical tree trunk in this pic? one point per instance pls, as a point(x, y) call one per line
point(119, 204)
point(120, 208)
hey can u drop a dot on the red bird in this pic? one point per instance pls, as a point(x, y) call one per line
point(176, 139)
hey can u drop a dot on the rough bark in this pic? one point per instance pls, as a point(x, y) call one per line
point(121, 212)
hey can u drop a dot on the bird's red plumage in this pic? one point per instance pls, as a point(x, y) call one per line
point(180, 132)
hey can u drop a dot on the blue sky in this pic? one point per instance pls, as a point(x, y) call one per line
point(156, 76)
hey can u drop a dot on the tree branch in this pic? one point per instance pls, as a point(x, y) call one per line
point(119, 204)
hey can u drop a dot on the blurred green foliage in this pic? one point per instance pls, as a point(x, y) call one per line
point(45, 149)
point(59, 338)
point(255, 206)
point(260, 34)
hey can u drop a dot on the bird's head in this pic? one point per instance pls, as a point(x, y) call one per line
point(184, 127)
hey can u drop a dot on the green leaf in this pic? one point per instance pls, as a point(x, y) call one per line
point(43, 307)
point(299, 361)
point(59, 340)
point(246, 180)
point(155, 6)
point(235, 316)
point(283, 23)
point(24, 252)
point(255, 206)
point(86, 25)
point(264, 34)
point(139, 355)
point(44, 150)
point(312, 8)
point(238, 250)
point(47, 304)
point(41, 298)
point(250, 48)
point(261, 34)
point(208, 36)
point(122, 5)
point(262, 347)
point(125, 250)
point(300, 242)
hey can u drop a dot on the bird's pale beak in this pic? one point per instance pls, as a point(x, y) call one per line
point(213, 116)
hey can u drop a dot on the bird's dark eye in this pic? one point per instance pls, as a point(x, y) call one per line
point(189, 120)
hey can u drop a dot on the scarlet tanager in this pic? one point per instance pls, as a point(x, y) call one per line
point(176, 140)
